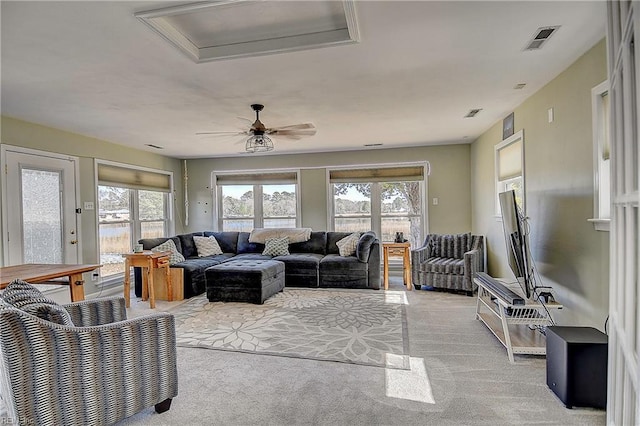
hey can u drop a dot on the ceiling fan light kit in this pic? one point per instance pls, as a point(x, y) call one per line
point(259, 143)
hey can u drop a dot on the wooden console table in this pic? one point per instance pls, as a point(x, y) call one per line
point(148, 261)
point(400, 250)
point(514, 325)
point(39, 273)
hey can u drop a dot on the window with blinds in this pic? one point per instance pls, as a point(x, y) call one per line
point(509, 168)
point(386, 200)
point(133, 203)
point(267, 199)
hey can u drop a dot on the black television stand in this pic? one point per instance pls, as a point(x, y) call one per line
point(515, 325)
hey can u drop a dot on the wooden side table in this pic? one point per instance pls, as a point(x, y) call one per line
point(148, 261)
point(398, 250)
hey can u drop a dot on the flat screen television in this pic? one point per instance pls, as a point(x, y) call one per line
point(517, 241)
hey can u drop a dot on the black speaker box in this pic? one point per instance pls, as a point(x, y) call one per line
point(577, 365)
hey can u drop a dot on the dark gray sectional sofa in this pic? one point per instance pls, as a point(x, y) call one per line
point(313, 263)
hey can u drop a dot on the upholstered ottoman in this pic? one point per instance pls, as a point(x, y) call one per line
point(244, 280)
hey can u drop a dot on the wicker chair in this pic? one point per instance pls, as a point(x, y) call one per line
point(102, 370)
point(448, 262)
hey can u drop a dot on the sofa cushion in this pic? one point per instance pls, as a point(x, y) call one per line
point(207, 246)
point(451, 245)
point(22, 295)
point(169, 245)
point(347, 245)
point(301, 263)
point(332, 239)
point(276, 247)
point(188, 245)
point(364, 246)
point(254, 256)
point(316, 244)
point(244, 246)
point(440, 265)
point(228, 241)
point(193, 272)
point(340, 271)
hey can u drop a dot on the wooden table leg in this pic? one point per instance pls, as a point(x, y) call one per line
point(406, 266)
point(127, 283)
point(167, 272)
point(76, 288)
point(152, 300)
point(385, 251)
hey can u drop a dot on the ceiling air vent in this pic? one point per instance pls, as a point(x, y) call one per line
point(473, 113)
point(541, 35)
point(154, 146)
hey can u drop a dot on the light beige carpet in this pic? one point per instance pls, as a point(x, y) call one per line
point(352, 326)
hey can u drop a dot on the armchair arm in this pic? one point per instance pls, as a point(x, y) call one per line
point(97, 311)
point(85, 375)
point(472, 264)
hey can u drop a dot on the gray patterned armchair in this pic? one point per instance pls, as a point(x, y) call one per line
point(448, 262)
point(99, 370)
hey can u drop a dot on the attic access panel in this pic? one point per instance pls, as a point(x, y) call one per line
point(212, 31)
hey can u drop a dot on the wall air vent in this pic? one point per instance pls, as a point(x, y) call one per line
point(519, 86)
point(540, 37)
point(372, 144)
point(473, 113)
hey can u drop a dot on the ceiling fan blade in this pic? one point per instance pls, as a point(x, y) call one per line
point(301, 126)
point(300, 133)
point(233, 132)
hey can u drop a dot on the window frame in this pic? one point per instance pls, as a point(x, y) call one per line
point(134, 219)
point(258, 195)
point(600, 178)
point(376, 215)
point(502, 184)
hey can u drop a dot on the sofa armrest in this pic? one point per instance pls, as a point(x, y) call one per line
point(472, 263)
point(105, 372)
point(97, 311)
point(420, 255)
point(363, 249)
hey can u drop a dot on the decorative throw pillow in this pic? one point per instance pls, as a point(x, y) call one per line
point(347, 245)
point(276, 247)
point(207, 246)
point(22, 295)
point(169, 245)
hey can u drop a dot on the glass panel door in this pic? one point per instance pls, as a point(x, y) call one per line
point(40, 207)
point(41, 216)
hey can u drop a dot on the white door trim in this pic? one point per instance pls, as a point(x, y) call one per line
point(4, 149)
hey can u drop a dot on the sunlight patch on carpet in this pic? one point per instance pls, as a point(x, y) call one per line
point(353, 326)
point(410, 384)
point(398, 297)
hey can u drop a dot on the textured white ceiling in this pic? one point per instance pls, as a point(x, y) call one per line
point(92, 68)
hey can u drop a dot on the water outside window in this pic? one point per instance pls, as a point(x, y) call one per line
point(114, 214)
point(400, 209)
point(152, 214)
point(279, 206)
point(352, 207)
point(237, 208)
point(42, 216)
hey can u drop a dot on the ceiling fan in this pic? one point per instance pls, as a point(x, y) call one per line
point(259, 140)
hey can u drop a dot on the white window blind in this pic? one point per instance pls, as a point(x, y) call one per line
point(267, 178)
point(510, 161)
point(383, 174)
point(132, 178)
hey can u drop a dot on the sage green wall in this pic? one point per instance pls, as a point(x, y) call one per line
point(570, 254)
point(29, 135)
point(449, 182)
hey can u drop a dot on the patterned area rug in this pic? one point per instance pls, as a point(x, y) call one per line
point(361, 327)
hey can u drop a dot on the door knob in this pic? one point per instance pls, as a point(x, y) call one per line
point(74, 241)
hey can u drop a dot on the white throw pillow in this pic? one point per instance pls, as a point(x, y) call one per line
point(347, 245)
point(207, 246)
point(169, 245)
point(276, 247)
